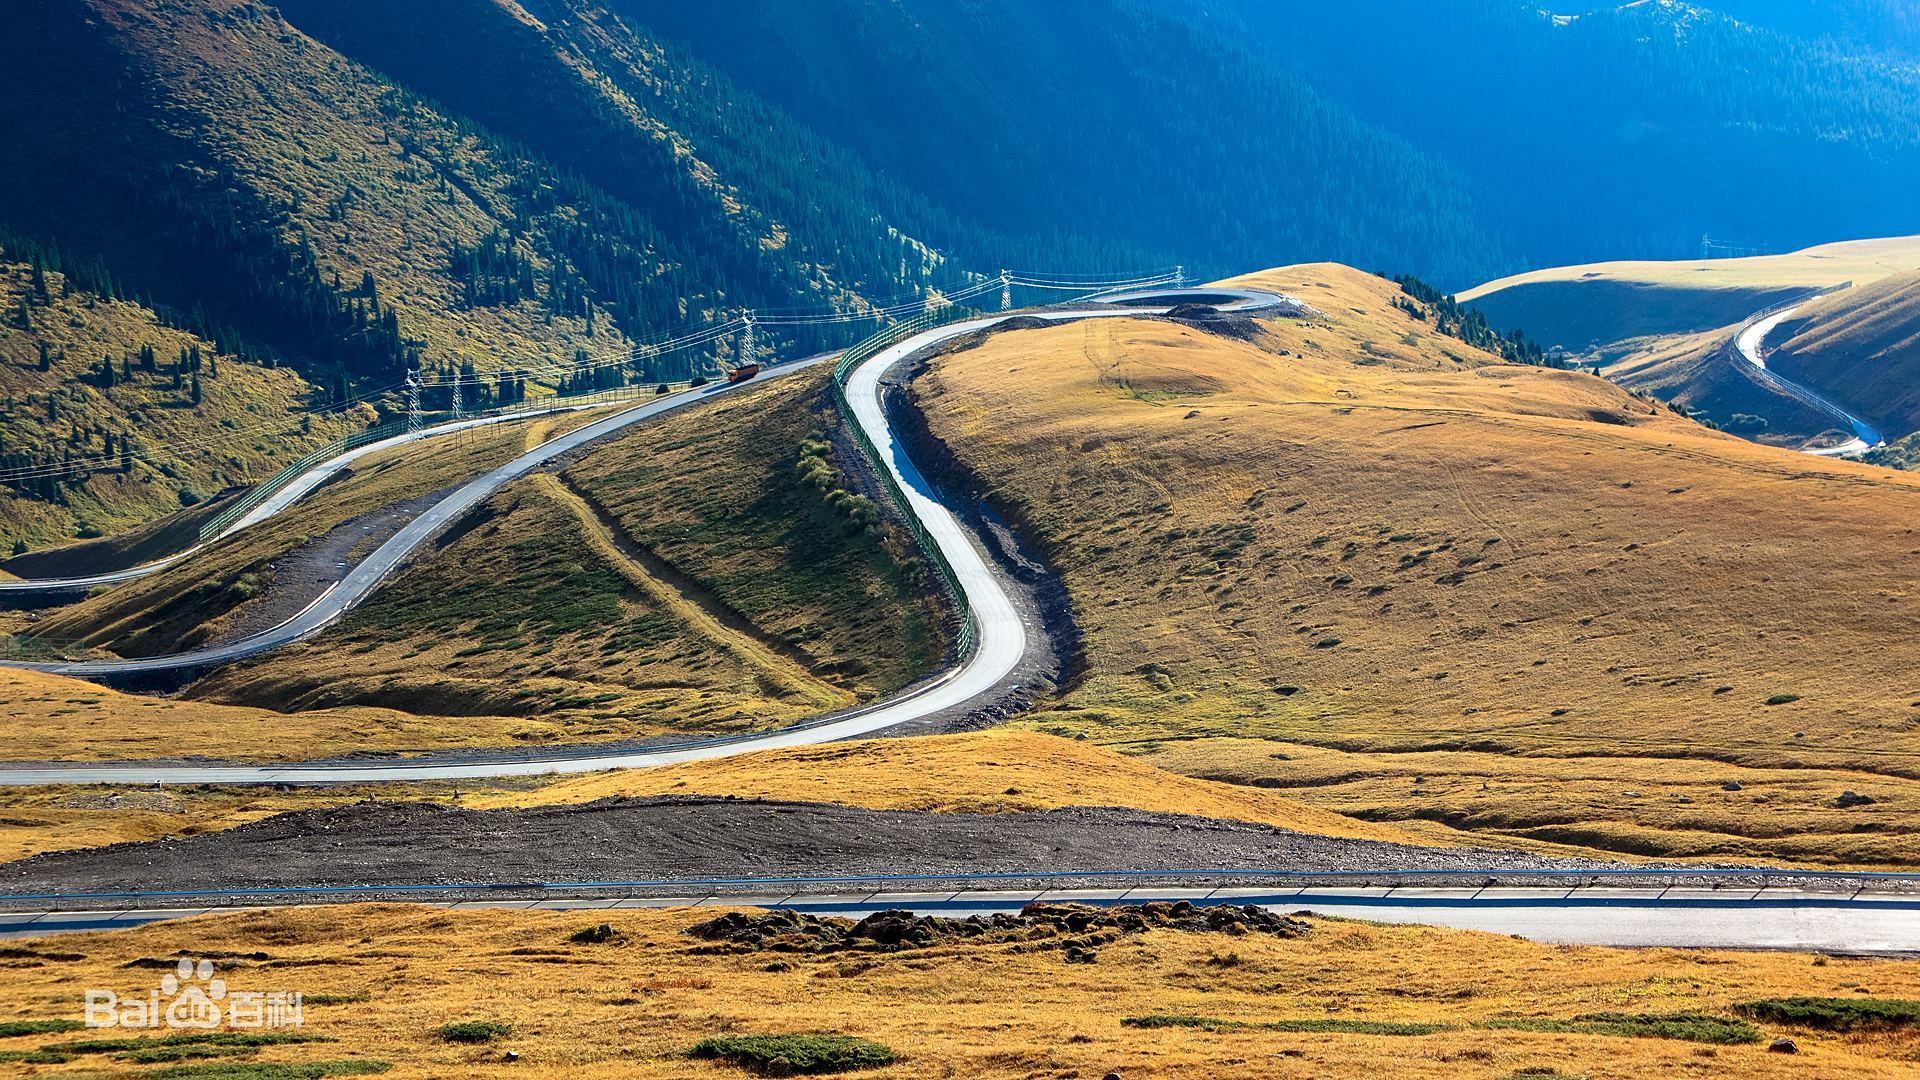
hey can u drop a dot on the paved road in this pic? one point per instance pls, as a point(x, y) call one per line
point(279, 501)
point(1751, 345)
point(999, 633)
point(1776, 918)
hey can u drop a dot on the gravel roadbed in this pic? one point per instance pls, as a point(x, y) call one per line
point(691, 838)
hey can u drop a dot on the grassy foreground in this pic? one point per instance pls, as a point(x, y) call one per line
point(1351, 535)
point(431, 993)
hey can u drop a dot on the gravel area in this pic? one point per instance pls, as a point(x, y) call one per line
point(691, 837)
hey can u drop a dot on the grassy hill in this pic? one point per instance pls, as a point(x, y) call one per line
point(697, 585)
point(1601, 304)
point(1862, 345)
point(1698, 374)
point(1349, 534)
point(143, 443)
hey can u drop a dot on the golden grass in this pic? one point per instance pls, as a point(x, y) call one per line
point(987, 772)
point(1326, 540)
point(998, 771)
point(196, 445)
point(52, 717)
point(1684, 808)
point(1858, 261)
point(967, 1011)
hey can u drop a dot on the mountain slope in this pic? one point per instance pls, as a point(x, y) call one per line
point(1862, 345)
point(1599, 305)
point(1109, 119)
point(293, 207)
point(1349, 535)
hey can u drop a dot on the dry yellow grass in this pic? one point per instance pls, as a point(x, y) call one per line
point(52, 717)
point(968, 1011)
point(985, 772)
point(1858, 261)
point(1350, 534)
point(1683, 808)
point(989, 772)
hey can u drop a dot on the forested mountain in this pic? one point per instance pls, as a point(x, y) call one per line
point(1240, 133)
point(1107, 118)
point(1629, 132)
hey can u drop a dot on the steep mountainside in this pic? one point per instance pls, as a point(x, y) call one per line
point(1102, 119)
point(109, 417)
point(1862, 345)
point(1379, 570)
point(1631, 131)
point(288, 205)
point(1238, 134)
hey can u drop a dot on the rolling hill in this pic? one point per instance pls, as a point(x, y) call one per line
point(1863, 344)
point(1601, 305)
point(1351, 536)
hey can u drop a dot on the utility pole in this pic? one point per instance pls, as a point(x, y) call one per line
point(413, 402)
point(1006, 290)
point(1180, 276)
point(746, 340)
point(456, 393)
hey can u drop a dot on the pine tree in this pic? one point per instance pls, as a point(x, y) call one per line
point(46, 357)
point(40, 294)
point(196, 389)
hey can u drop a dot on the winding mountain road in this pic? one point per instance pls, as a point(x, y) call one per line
point(272, 506)
point(1751, 343)
point(1000, 634)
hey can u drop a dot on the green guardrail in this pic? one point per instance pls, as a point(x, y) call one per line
point(964, 639)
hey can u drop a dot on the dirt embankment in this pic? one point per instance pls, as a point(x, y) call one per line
point(692, 837)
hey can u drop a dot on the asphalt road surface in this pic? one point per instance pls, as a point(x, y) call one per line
point(1750, 919)
point(279, 501)
point(1751, 346)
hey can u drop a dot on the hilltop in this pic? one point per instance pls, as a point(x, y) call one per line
point(1604, 304)
point(1350, 535)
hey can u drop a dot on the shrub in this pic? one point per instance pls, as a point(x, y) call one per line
point(1691, 1027)
point(594, 935)
point(9, 1028)
point(475, 1031)
point(1834, 1014)
point(795, 1054)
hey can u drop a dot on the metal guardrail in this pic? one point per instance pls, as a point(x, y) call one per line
point(271, 486)
point(964, 638)
point(1383, 878)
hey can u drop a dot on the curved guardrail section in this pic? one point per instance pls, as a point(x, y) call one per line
point(964, 634)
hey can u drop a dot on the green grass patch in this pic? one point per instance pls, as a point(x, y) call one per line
point(799, 1055)
point(12, 1028)
point(269, 1070)
point(475, 1031)
point(1323, 1027)
point(1690, 1027)
point(1834, 1014)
